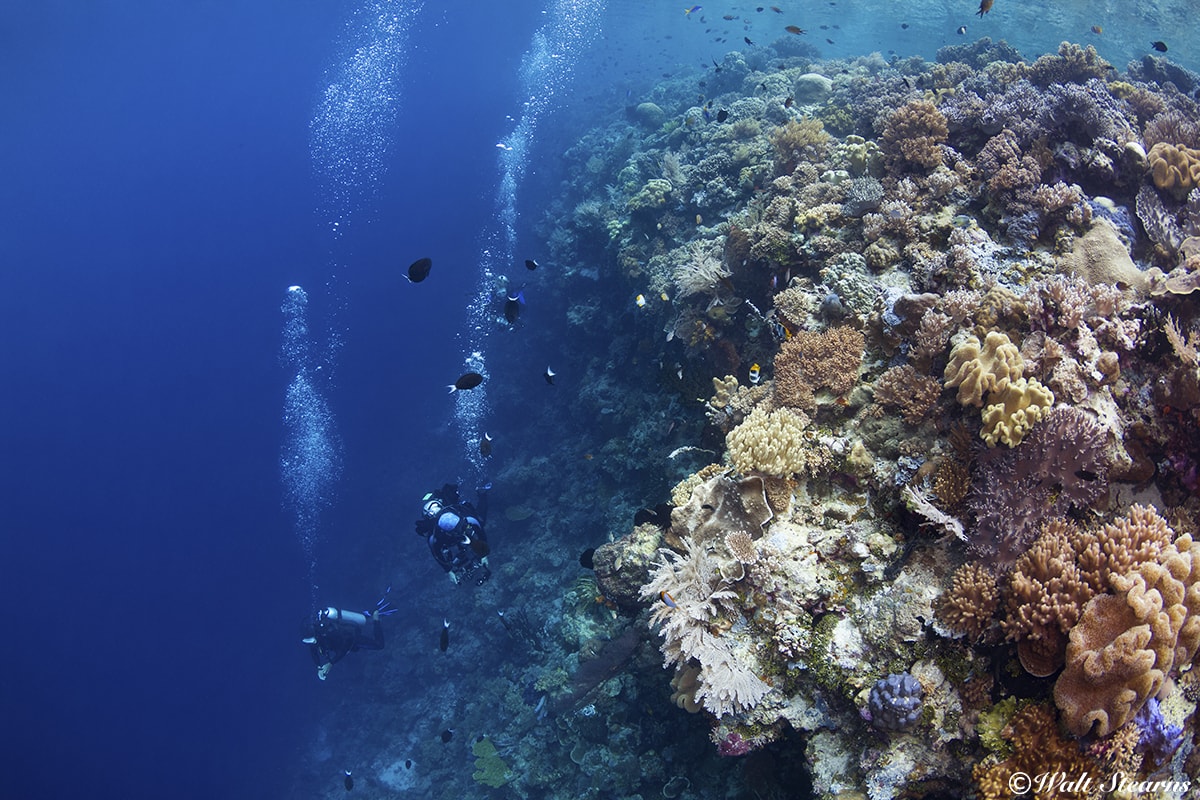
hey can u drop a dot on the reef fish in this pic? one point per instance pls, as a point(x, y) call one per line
point(349, 781)
point(530, 264)
point(586, 558)
point(755, 374)
point(444, 641)
point(962, 30)
point(447, 735)
point(689, 11)
point(640, 301)
point(485, 445)
point(549, 376)
point(796, 29)
point(722, 115)
point(419, 270)
point(512, 307)
point(1159, 46)
point(984, 7)
point(468, 380)
point(666, 598)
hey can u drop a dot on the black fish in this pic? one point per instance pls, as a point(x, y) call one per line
point(722, 115)
point(447, 735)
point(530, 264)
point(904, 25)
point(1159, 46)
point(549, 376)
point(408, 763)
point(585, 558)
point(485, 446)
point(660, 516)
point(419, 270)
point(962, 30)
point(444, 641)
point(512, 308)
point(468, 380)
point(349, 782)
point(746, 39)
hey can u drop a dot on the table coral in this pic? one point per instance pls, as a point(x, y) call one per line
point(1174, 168)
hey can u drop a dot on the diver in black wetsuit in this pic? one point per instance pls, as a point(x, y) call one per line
point(335, 632)
point(454, 531)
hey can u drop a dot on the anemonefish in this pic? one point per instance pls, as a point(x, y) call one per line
point(755, 374)
point(666, 598)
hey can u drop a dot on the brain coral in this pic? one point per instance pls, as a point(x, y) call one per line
point(1125, 646)
point(1019, 404)
point(774, 443)
point(976, 368)
point(1175, 169)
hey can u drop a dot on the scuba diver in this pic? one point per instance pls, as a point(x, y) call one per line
point(454, 531)
point(335, 632)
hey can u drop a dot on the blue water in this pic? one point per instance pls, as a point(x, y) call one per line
point(158, 194)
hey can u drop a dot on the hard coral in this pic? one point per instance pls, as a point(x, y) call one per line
point(794, 142)
point(913, 135)
point(1072, 64)
point(895, 702)
point(811, 360)
point(1174, 168)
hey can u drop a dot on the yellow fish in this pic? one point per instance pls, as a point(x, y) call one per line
point(640, 300)
point(755, 374)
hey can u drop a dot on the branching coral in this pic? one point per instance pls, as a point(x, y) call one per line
point(810, 361)
point(971, 602)
point(775, 443)
point(904, 388)
point(805, 140)
point(1037, 750)
point(913, 135)
point(1045, 596)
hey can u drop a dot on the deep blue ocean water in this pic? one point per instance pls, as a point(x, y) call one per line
point(158, 195)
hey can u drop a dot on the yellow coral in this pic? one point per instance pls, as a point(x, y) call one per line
point(1019, 404)
point(977, 369)
point(774, 443)
point(1175, 168)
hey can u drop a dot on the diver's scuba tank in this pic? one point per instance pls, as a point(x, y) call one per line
point(332, 613)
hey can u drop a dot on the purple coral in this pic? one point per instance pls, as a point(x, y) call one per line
point(733, 745)
point(1059, 467)
point(1159, 740)
point(895, 702)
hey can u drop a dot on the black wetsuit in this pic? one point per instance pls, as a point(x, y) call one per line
point(336, 637)
point(458, 546)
